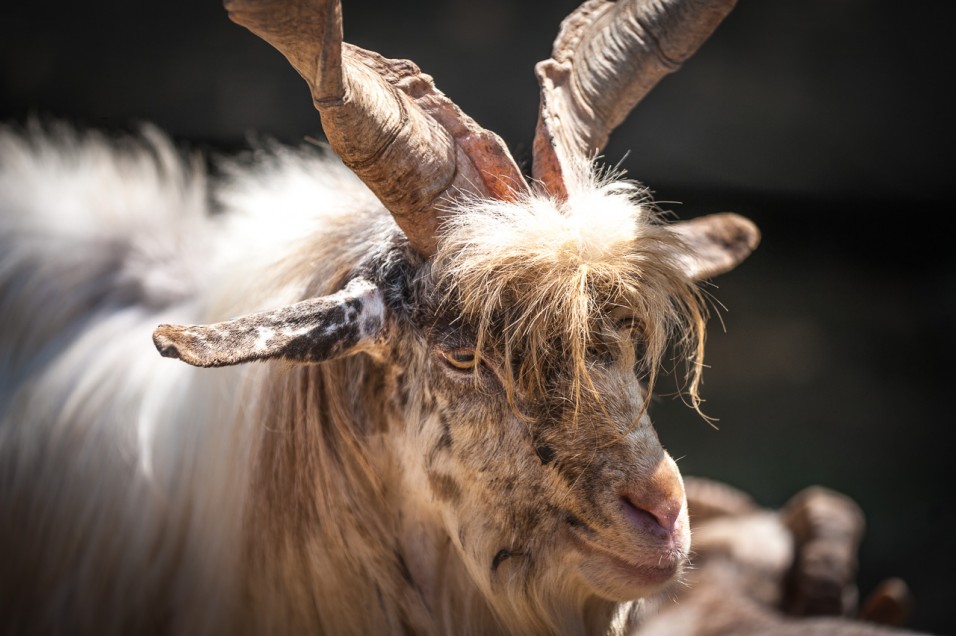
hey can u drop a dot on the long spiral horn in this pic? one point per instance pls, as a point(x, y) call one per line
point(414, 148)
point(607, 56)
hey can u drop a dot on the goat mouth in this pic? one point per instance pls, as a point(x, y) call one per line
point(625, 574)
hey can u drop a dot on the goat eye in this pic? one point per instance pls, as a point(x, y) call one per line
point(628, 323)
point(463, 359)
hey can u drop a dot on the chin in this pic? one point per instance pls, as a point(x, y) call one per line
point(618, 580)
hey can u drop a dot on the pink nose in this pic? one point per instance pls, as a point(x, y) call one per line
point(659, 521)
point(654, 504)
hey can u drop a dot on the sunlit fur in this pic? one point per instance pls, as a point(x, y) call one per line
point(369, 494)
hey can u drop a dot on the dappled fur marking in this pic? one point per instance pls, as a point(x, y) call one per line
point(401, 383)
point(444, 442)
point(575, 522)
point(313, 330)
point(444, 487)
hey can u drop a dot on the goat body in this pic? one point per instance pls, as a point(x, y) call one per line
point(445, 430)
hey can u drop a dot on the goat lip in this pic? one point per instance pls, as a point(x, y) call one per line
point(639, 572)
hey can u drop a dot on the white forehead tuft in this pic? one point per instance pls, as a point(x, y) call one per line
point(594, 224)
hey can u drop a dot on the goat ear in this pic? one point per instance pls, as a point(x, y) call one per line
point(715, 243)
point(313, 330)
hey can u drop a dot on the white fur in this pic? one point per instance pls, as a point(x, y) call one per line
point(136, 464)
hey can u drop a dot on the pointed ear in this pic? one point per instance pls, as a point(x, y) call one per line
point(313, 330)
point(716, 243)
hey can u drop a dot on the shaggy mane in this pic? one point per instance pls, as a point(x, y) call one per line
point(543, 282)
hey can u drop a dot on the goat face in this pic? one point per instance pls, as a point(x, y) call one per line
point(528, 375)
point(551, 486)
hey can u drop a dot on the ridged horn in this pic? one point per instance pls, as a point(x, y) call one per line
point(414, 148)
point(607, 56)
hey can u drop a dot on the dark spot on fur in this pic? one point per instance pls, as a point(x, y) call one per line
point(372, 325)
point(445, 441)
point(503, 553)
point(169, 351)
point(545, 453)
point(444, 487)
point(323, 343)
point(403, 568)
point(334, 316)
point(402, 383)
point(574, 522)
point(572, 470)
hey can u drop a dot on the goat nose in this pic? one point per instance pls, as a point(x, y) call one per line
point(655, 504)
point(658, 519)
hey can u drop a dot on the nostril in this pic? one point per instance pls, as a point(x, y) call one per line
point(659, 521)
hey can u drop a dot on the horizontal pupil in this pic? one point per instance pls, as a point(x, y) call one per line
point(461, 359)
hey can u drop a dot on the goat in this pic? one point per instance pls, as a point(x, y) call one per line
point(447, 431)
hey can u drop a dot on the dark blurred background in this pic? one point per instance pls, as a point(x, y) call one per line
point(828, 122)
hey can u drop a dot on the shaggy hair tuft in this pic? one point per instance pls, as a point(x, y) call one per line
point(544, 283)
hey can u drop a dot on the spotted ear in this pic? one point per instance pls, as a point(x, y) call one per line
point(715, 243)
point(310, 331)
